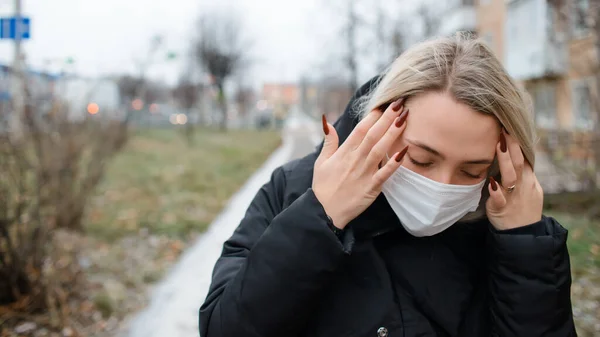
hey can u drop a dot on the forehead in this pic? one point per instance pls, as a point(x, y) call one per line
point(452, 128)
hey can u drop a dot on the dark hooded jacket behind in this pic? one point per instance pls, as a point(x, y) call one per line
point(285, 273)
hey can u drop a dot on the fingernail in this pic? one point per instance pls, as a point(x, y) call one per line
point(325, 126)
point(401, 119)
point(397, 104)
point(502, 142)
point(493, 184)
point(401, 154)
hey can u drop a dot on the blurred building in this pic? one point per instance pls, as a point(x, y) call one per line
point(41, 89)
point(548, 50)
point(459, 15)
point(328, 96)
point(280, 97)
point(552, 54)
point(40, 84)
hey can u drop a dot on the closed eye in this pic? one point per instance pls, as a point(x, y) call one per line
point(419, 163)
point(473, 176)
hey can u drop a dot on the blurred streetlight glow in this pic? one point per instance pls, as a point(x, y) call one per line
point(93, 108)
point(180, 119)
point(137, 104)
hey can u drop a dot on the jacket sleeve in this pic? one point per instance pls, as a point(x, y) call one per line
point(530, 281)
point(273, 268)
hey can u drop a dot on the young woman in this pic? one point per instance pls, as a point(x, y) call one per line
point(420, 215)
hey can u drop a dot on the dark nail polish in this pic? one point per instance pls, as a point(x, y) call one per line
point(401, 154)
point(494, 184)
point(502, 142)
point(397, 105)
point(401, 119)
point(325, 126)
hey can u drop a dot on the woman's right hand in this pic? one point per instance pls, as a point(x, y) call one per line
point(347, 179)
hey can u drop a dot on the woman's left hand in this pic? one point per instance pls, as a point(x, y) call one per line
point(519, 200)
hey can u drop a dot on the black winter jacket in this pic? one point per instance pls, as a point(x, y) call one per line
point(285, 273)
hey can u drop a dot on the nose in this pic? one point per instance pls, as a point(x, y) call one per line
point(443, 176)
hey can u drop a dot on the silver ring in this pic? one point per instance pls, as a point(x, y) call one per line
point(511, 188)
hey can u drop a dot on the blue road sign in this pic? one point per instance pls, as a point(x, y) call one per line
point(12, 29)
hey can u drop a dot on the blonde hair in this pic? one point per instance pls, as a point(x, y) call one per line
point(469, 71)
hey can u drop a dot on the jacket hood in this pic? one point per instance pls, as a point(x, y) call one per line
point(350, 118)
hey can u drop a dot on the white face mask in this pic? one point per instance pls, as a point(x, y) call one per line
point(426, 207)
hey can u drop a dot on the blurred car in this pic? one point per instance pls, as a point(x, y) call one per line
point(263, 119)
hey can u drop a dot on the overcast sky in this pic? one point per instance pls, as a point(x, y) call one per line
point(290, 37)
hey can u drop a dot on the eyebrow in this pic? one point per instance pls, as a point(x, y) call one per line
point(438, 154)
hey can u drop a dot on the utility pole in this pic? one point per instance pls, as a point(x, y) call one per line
point(352, 50)
point(18, 78)
point(18, 13)
point(380, 35)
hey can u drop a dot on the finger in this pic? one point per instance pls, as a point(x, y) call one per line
point(516, 154)
point(361, 129)
point(378, 130)
point(388, 169)
point(497, 200)
point(507, 169)
point(528, 177)
point(382, 147)
point(331, 142)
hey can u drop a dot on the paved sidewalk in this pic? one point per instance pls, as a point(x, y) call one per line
point(173, 311)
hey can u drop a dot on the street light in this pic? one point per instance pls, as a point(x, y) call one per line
point(178, 119)
point(93, 108)
point(137, 104)
point(153, 108)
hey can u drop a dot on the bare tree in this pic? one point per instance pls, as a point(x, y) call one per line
point(128, 87)
point(244, 96)
point(380, 35)
point(155, 46)
point(370, 36)
point(47, 178)
point(352, 49)
point(352, 25)
point(429, 20)
point(187, 93)
point(220, 51)
point(390, 41)
point(397, 41)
